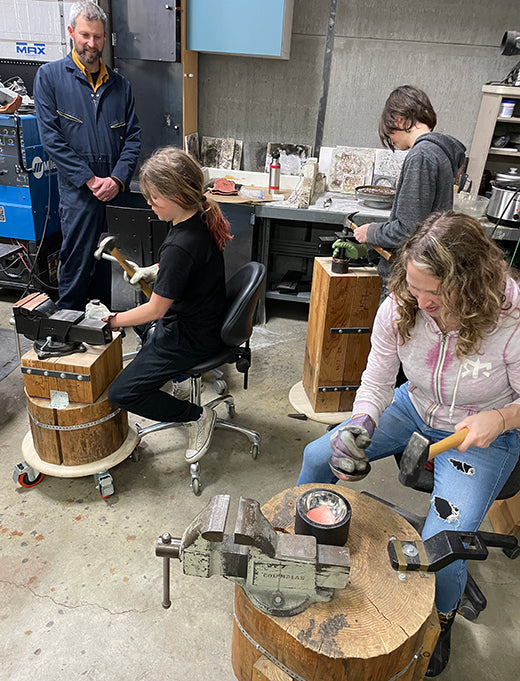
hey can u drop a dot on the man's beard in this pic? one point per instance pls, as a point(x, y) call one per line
point(88, 57)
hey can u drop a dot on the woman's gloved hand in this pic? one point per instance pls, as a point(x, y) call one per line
point(95, 309)
point(147, 274)
point(348, 444)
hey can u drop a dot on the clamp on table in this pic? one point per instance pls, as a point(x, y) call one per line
point(282, 574)
point(445, 547)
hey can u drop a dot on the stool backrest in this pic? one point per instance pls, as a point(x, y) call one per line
point(242, 294)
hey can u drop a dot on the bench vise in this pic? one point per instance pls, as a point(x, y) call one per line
point(57, 332)
point(282, 574)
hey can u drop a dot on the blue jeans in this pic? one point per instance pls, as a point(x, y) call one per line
point(465, 485)
point(166, 353)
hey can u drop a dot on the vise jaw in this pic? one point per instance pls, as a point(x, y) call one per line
point(282, 574)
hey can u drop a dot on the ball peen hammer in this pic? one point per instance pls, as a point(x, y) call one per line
point(108, 245)
point(418, 451)
point(350, 224)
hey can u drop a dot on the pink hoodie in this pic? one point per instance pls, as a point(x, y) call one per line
point(442, 389)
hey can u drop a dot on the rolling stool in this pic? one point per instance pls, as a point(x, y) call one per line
point(242, 294)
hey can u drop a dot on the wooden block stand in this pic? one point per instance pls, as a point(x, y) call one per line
point(334, 359)
point(79, 429)
point(379, 627)
point(88, 373)
point(504, 515)
point(78, 434)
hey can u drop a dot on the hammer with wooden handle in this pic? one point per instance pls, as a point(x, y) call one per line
point(107, 245)
point(383, 252)
point(418, 451)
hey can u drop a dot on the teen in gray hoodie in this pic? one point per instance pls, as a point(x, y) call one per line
point(426, 181)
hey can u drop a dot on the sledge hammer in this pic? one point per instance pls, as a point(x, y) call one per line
point(383, 252)
point(108, 245)
point(418, 451)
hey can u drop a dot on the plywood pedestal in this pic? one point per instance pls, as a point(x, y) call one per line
point(32, 457)
point(379, 627)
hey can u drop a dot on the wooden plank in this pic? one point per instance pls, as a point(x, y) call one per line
point(504, 515)
point(315, 326)
point(101, 363)
point(190, 77)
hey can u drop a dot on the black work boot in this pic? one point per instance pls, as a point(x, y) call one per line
point(441, 654)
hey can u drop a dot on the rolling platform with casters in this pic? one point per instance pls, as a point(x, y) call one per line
point(74, 430)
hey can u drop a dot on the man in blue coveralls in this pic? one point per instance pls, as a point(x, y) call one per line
point(88, 126)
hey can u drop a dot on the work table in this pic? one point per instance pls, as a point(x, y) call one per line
point(335, 213)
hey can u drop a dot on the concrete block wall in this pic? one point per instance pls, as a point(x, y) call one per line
point(346, 57)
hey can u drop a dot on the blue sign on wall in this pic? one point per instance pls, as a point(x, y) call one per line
point(246, 27)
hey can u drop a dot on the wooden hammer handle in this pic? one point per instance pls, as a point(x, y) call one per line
point(386, 254)
point(453, 440)
point(145, 288)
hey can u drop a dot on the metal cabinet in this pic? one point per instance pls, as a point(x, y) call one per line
point(149, 48)
point(148, 30)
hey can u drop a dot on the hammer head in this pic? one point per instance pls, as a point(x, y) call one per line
point(106, 245)
point(413, 459)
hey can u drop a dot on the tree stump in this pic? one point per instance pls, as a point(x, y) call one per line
point(382, 626)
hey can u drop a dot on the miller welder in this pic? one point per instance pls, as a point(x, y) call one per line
point(30, 234)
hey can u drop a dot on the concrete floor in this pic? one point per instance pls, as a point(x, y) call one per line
point(80, 585)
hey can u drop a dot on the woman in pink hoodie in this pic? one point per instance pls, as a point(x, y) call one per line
point(453, 321)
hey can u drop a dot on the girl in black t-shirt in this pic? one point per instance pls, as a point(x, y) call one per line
point(183, 317)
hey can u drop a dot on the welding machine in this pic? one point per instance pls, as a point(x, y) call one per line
point(29, 200)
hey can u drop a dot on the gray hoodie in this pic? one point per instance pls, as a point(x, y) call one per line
point(425, 185)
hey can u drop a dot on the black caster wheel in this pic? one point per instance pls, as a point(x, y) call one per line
point(231, 410)
point(467, 609)
point(24, 480)
point(255, 450)
point(512, 553)
point(135, 455)
point(196, 487)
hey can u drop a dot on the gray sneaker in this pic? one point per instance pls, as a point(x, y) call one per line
point(200, 433)
point(182, 389)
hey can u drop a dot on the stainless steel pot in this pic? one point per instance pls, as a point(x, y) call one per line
point(504, 206)
point(510, 180)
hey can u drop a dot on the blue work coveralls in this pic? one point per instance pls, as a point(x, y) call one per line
point(86, 133)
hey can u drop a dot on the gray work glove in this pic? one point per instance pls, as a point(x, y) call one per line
point(96, 310)
point(348, 444)
point(147, 274)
